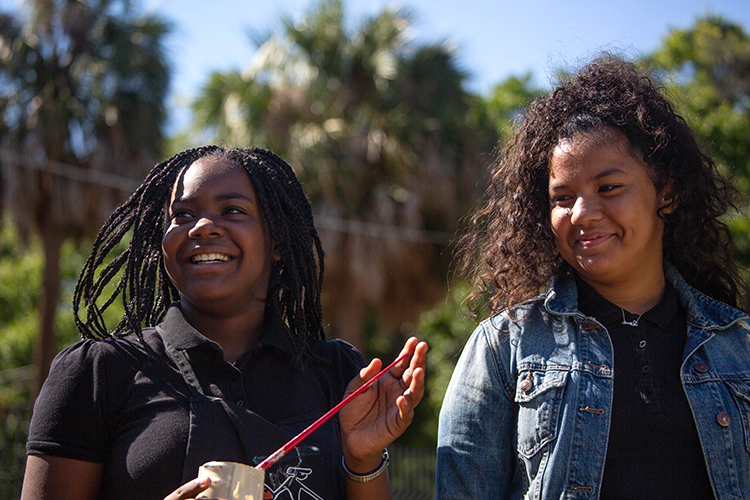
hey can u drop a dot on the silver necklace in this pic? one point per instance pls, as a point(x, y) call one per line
point(630, 323)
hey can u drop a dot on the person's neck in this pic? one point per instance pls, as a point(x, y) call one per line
point(235, 333)
point(636, 296)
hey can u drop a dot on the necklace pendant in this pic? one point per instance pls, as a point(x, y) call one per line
point(633, 323)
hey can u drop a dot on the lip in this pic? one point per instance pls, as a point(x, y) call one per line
point(590, 241)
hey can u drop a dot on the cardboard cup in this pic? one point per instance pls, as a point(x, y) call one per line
point(232, 481)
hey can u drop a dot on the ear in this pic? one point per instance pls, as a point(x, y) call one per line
point(276, 253)
point(668, 202)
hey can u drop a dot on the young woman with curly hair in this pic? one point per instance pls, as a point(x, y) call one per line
point(615, 362)
point(220, 354)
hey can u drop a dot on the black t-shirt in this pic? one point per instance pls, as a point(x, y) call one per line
point(125, 404)
point(654, 450)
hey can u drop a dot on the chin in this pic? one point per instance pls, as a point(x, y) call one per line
point(597, 271)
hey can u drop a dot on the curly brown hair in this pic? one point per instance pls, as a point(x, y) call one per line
point(508, 250)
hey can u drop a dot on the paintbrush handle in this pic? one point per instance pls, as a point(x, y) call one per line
point(276, 455)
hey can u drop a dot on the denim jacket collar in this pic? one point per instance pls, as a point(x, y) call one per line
point(562, 295)
point(703, 312)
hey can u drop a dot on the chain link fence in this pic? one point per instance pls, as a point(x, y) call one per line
point(412, 472)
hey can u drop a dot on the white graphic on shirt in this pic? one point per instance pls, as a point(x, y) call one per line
point(294, 475)
point(291, 478)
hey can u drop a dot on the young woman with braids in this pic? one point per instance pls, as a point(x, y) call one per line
point(616, 364)
point(220, 354)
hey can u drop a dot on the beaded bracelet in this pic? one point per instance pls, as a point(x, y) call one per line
point(365, 478)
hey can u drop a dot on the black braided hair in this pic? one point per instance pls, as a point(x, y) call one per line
point(137, 273)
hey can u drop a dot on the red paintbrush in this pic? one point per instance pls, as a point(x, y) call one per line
point(276, 455)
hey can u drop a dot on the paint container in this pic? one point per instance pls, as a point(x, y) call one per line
point(232, 481)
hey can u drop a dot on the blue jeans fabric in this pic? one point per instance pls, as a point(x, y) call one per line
point(527, 411)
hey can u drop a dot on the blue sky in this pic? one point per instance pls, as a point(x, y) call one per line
point(493, 38)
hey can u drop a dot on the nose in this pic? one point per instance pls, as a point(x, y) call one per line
point(205, 227)
point(584, 211)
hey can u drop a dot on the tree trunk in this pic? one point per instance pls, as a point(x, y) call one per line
point(44, 350)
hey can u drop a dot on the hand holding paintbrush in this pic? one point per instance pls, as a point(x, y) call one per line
point(382, 413)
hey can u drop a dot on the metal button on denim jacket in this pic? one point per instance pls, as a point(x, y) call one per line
point(526, 414)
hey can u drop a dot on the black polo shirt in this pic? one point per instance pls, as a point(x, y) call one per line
point(653, 449)
point(125, 404)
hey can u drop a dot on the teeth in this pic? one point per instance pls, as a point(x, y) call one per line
point(210, 257)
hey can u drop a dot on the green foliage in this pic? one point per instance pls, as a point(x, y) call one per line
point(20, 282)
point(14, 425)
point(707, 70)
point(506, 101)
point(20, 269)
point(446, 329)
point(20, 285)
point(740, 228)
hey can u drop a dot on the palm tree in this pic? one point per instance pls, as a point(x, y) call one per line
point(82, 92)
point(378, 129)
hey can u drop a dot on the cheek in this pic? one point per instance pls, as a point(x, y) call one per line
point(558, 218)
point(168, 250)
point(166, 246)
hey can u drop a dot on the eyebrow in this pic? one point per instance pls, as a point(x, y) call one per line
point(599, 176)
point(222, 197)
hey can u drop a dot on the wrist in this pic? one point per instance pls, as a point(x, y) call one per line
point(362, 461)
point(362, 472)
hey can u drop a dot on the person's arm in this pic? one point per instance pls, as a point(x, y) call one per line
point(49, 477)
point(378, 416)
point(476, 432)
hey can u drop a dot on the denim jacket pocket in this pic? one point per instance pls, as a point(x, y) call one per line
point(741, 392)
point(538, 395)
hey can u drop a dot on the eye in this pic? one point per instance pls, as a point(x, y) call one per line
point(233, 210)
point(561, 200)
point(181, 214)
point(608, 188)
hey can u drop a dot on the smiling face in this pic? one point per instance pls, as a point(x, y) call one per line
point(216, 246)
point(604, 210)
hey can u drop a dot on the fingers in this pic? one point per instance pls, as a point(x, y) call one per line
point(401, 367)
point(412, 395)
point(190, 489)
point(385, 414)
point(405, 412)
point(365, 374)
point(412, 380)
point(403, 371)
point(418, 359)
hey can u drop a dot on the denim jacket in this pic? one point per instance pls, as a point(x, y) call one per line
point(527, 411)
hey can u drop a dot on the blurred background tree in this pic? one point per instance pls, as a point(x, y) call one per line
point(707, 70)
point(385, 139)
point(82, 90)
